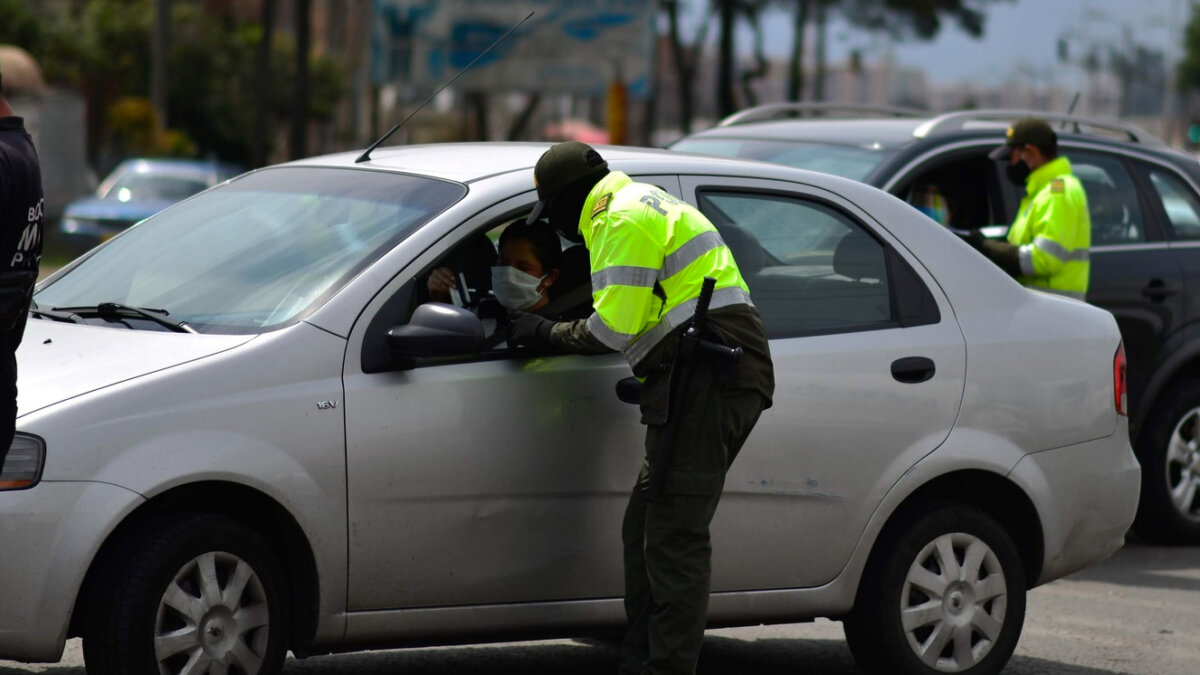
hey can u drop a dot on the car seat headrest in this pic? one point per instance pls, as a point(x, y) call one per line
point(858, 256)
point(747, 252)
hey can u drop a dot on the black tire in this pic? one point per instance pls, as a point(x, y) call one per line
point(982, 617)
point(130, 608)
point(1160, 518)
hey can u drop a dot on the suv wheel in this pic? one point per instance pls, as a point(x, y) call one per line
point(190, 594)
point(1169, 451)
point(944, 593)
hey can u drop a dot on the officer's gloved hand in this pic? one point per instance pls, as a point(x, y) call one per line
point(529, 331)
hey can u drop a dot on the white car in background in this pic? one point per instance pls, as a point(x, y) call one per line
point(243, 430)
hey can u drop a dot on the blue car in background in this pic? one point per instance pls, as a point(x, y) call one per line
point(135, 190)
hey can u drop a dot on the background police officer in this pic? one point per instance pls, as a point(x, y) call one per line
point(20, 252)
point(649, 254)
point(1047, 245)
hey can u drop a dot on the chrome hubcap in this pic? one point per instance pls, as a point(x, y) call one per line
point(213, 619)
point(953, 602)
point(1183, 465)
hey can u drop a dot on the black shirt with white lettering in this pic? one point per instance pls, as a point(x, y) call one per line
point(21, 204)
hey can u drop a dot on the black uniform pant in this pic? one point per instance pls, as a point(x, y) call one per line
point(9, 340)
point(668, 554)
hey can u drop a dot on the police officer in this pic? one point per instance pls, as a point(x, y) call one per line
point(20, 252)
point(649, 253)
point(1047, 245)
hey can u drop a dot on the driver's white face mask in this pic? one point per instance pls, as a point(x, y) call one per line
point(514, 288)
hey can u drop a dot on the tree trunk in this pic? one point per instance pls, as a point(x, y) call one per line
point(517, 129)
point(160, 49)
point(726, 96)
point(299, 140)
point(819, 75)
point(796, 67)
point(685, 69)
point(260, 143)
point(761, 65)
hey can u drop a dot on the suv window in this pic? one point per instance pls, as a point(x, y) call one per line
point(810, 268)
point(1112, 199)
point(1178, 202)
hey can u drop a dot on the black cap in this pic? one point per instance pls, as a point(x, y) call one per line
point(562, 165)
point(1029, 131)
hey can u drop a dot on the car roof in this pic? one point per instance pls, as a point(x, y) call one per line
point(200, 167)
point(469, 162)
point(914, 134)
point(878, 133)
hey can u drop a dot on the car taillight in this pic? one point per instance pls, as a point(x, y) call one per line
point(1119, 389)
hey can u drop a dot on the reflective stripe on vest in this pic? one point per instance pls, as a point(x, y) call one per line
point(679, 315)
point(1050, 247)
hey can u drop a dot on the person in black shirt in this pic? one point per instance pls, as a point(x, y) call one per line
point(21, 220)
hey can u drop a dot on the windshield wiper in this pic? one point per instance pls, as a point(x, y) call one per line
point(51, 314)
point(113, 311)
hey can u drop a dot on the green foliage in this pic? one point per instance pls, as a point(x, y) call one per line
point(20, 26)
point(103, 48)
point(1187, 78)
point(916, 18)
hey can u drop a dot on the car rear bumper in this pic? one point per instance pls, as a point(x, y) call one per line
point(50, 534)
point(1086, 496)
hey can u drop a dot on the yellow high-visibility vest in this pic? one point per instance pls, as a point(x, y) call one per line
point(649, 254)
point(1053, 231)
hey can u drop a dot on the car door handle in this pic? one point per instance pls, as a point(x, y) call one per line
point(913, 369)
point(1158, 289)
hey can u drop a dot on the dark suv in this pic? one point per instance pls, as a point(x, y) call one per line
point(1144, 199)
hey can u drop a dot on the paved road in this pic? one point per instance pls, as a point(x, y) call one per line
point(1136, 614)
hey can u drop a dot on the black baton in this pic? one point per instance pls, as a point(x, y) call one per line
point(692, 344)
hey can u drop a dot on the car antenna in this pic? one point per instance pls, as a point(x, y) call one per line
point(367, 153)
point(1071, 109)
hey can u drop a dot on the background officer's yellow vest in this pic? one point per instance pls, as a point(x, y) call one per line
point(1053, 231)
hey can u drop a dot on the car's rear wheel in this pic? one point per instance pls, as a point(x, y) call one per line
point(944, 593)
point(192, 594)
point(1169, 451)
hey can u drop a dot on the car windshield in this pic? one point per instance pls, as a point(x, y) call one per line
point(257, 253)
point(848, 161)
point(137, 186)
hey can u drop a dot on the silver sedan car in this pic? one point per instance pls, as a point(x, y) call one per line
point(245, 429)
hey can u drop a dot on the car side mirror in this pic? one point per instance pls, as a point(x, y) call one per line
point(436, 329)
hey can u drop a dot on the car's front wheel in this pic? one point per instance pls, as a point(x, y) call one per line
point(944, 593)
point(192, 594)
point(1169, 451)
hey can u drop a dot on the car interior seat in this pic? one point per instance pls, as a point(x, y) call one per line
point(573, 289)
point(861, 295)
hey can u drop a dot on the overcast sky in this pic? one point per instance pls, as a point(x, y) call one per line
point(1020, 39)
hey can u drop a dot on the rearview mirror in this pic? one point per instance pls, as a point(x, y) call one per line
point(436, 329)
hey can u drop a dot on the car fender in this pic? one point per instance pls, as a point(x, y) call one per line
point(239, 417)
point(963, 450)
point(41, 577)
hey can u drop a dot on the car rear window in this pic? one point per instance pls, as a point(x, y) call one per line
point(848, 161)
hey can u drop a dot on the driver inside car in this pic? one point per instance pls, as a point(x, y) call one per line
point(523, 278)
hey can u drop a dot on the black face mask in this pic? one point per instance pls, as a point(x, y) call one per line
point(1017, 173)
point(564, 217)
point(566, 208)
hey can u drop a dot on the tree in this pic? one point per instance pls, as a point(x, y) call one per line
point(900, 19)
point(686, 58)
point(1187, 77)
